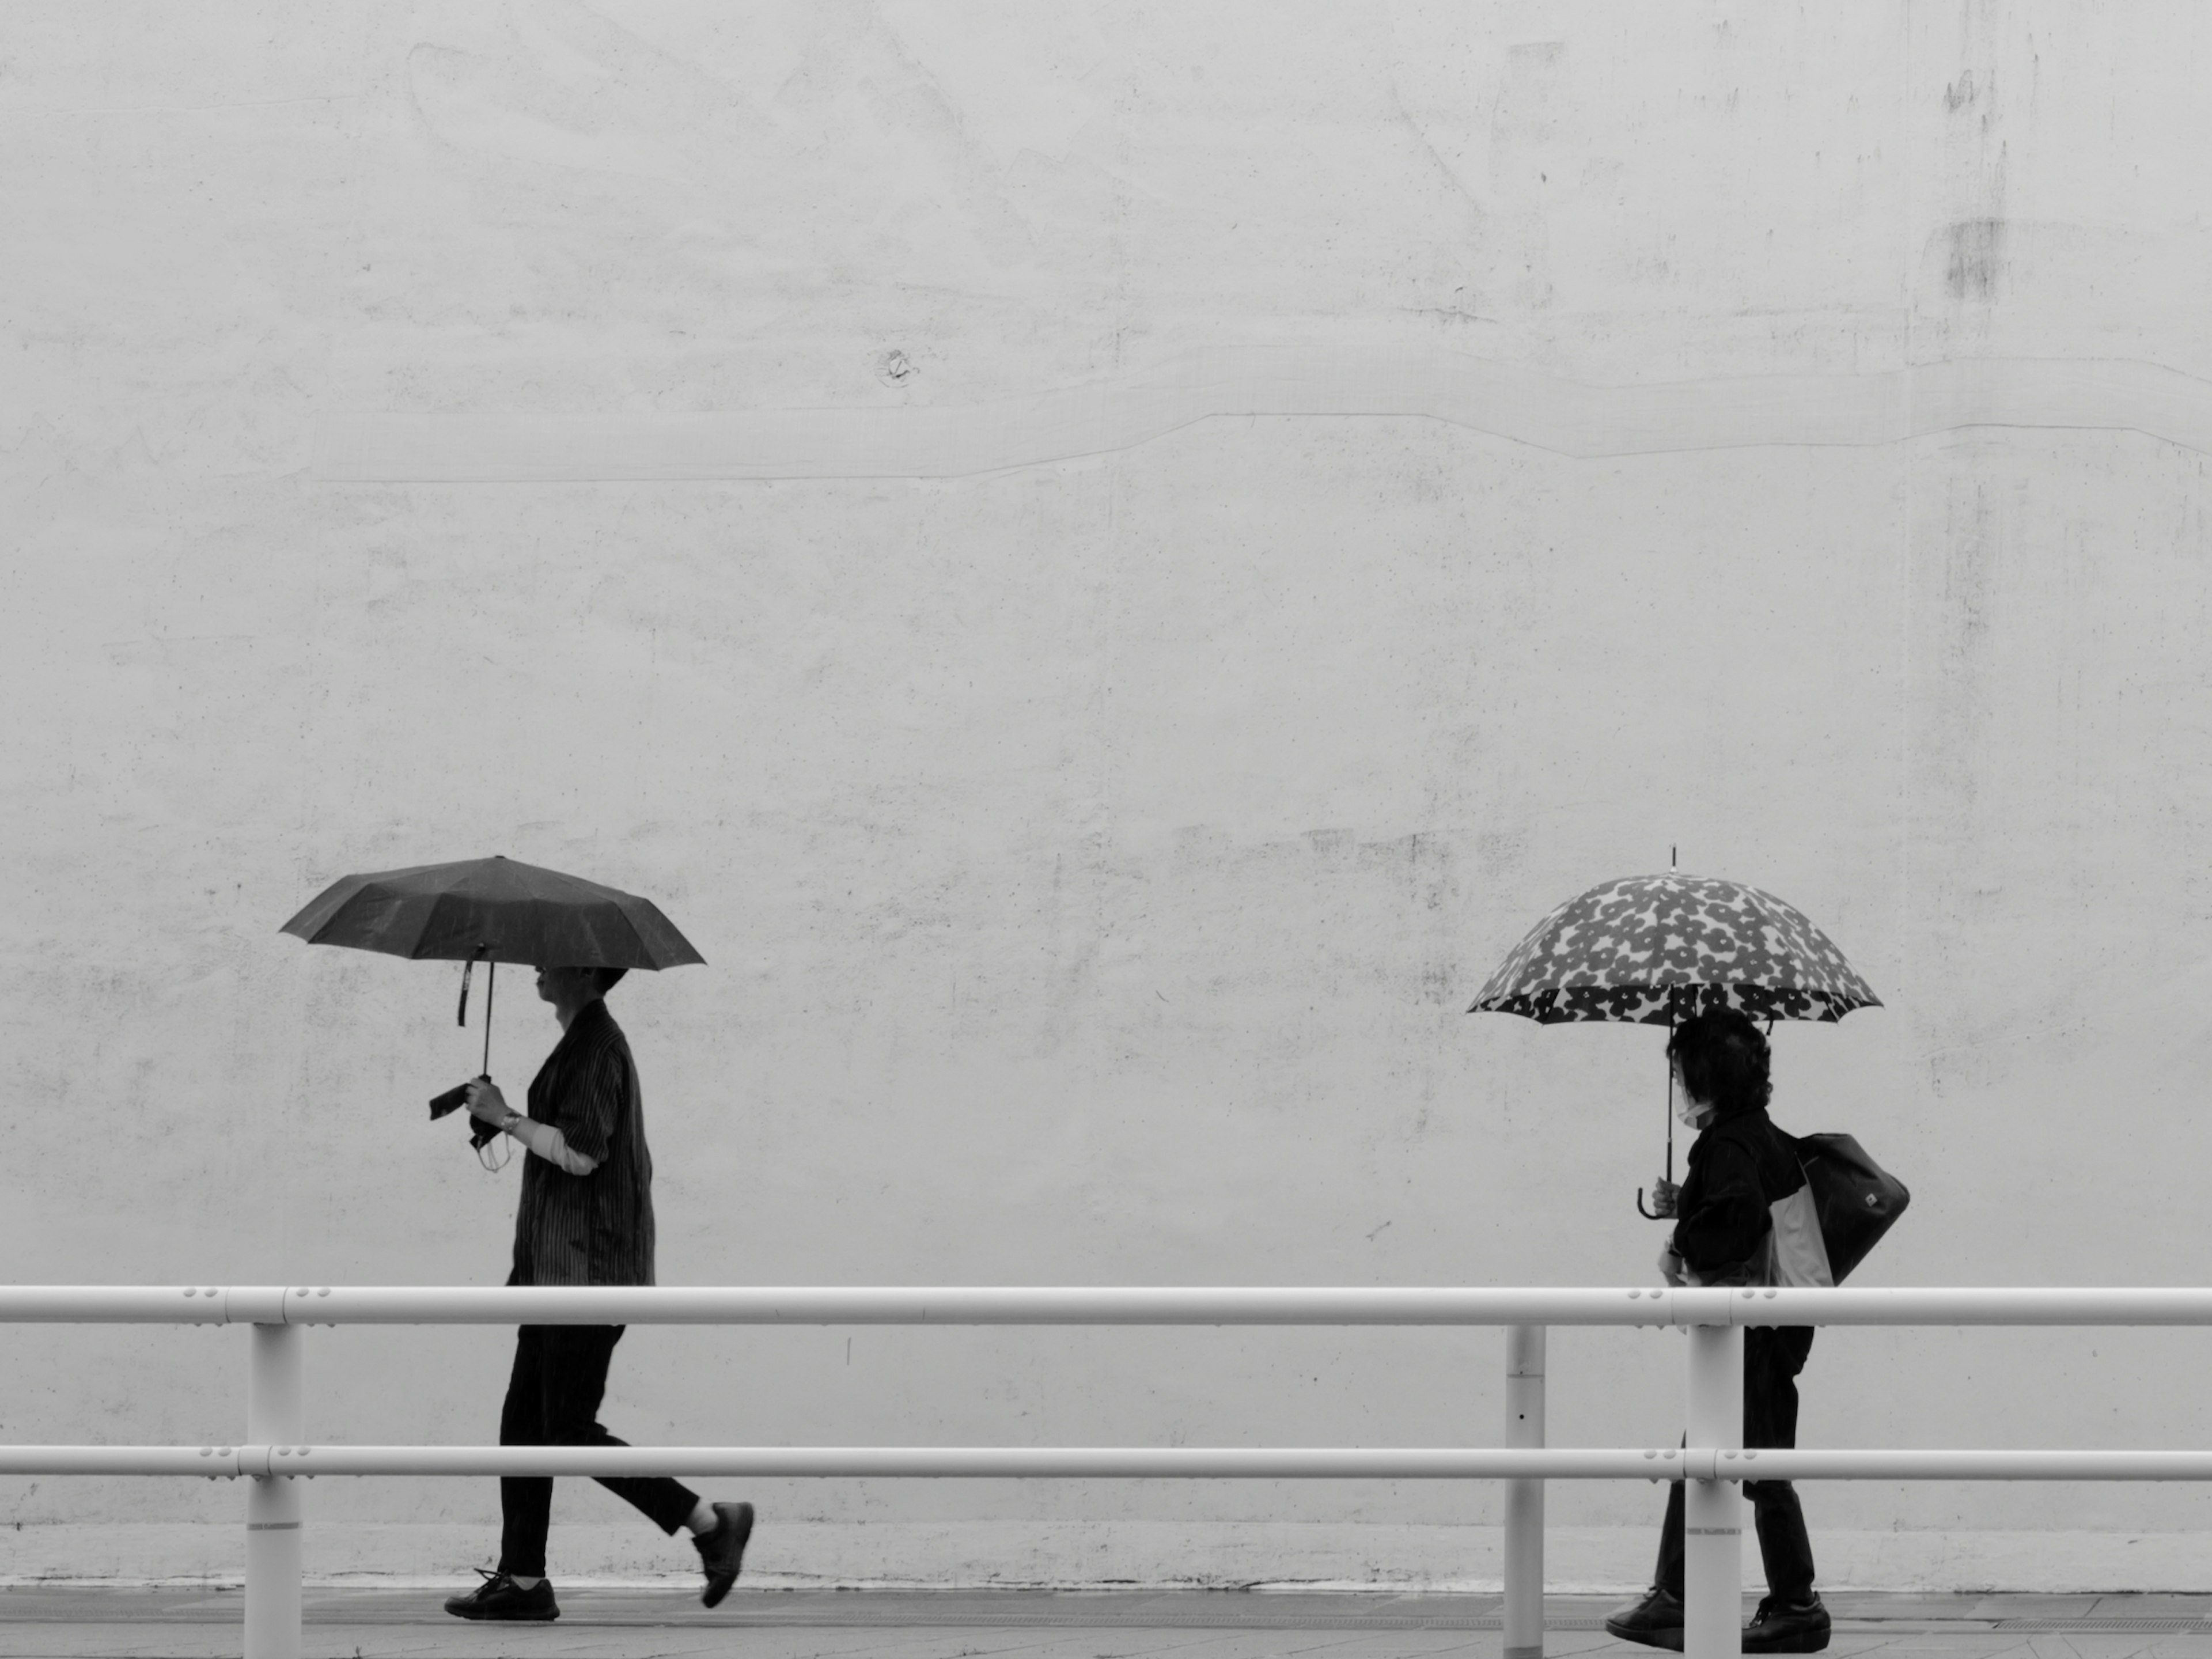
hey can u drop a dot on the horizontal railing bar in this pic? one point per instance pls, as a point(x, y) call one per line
point(1989, 1305)
point(111, 1304)
point(119, 1459)
point(1090, 1305)
point(1969, 1465)
point(826, 1305)
point(1148, 1462)
point(1115, 1462)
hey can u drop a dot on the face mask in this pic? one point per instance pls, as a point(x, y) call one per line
point(1691, 1114)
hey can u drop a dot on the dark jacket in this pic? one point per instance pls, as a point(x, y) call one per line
point(594, 1229)
point(1746, 1216)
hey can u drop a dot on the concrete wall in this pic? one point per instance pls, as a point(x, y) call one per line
point(1093, 853)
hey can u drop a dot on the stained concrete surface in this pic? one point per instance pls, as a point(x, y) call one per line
point(628, 1623)
point(1093, 860)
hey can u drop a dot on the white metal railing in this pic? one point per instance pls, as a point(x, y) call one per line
point(275, 1454)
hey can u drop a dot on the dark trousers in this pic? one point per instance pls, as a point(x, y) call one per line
point(553, 1400)
point(1773, 1356)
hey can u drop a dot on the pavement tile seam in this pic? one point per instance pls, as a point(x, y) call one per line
point(1148, 1641)
point(984, 1643)
point(378, 1644)
point(365, 1623)
point(1126, 1645)
point(826, 1644)
point(1329, 1646)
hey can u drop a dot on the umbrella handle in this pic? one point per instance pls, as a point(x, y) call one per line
point(1674, 1214)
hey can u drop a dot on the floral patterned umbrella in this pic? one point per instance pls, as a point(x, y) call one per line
point(1650, 950)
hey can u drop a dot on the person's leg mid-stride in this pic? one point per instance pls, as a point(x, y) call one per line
point(1791, 1618)
point(553, 1398)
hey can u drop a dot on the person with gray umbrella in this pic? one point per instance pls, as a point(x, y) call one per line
point(585, 1214)
point(585, 1218)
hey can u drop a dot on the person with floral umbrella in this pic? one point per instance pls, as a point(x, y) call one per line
point(1707, 959)
point(1654, 950)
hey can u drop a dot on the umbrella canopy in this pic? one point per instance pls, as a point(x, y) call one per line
point(1651, 950)
point(1648, 949)
point(493, 911)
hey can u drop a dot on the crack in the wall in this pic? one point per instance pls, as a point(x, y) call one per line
point(1505, 400)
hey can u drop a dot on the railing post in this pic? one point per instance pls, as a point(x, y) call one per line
point(1712, 1559)
point(275, 1416)
point(1524, 1499)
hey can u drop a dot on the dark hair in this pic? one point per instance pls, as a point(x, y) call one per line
point(609, 978)
point(1723, 1057)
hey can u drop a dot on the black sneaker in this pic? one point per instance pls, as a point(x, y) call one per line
point(1656, 1621)
point(1778, 1627)
point(722, 1552)
point(500, 1597)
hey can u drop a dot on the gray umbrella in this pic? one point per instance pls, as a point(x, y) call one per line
point(493, 911)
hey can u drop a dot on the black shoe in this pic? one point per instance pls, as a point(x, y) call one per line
point(1656, 1621)
point(722, 1552)
point(500, 1597)
point(1778, 1627)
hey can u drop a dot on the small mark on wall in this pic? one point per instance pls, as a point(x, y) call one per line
point(1976, 251)
point(895, 368)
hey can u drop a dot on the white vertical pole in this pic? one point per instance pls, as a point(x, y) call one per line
point(275, 1416)
point(1712, 1563)
point(1524, 1499)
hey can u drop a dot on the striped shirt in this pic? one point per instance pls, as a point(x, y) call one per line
point(595, 1229)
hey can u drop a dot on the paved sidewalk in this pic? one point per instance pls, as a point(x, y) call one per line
point(68, 1622)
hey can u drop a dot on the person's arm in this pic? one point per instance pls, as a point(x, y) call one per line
point(544, 1140)
point(549, 1143)
point(1724, 1229)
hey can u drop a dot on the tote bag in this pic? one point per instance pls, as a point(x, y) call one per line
point(1856, 1199)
